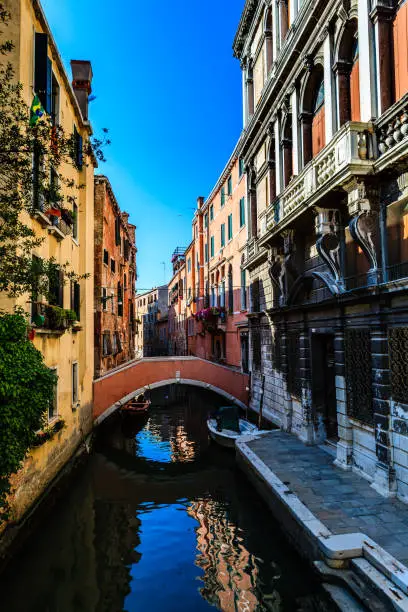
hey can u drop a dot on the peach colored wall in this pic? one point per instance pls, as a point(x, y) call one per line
point(115, 386)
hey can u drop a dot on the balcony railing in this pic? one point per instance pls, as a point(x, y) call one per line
point(397, 271)
point(349, 152)
point(392, 127)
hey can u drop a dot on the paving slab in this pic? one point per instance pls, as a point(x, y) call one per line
point(343, 501)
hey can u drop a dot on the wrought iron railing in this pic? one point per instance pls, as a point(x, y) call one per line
point(397, 271)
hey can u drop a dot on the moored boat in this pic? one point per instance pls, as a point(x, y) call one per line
point(227, 437)
point(139, 405)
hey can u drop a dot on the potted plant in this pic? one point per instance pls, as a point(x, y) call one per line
point(55, 317)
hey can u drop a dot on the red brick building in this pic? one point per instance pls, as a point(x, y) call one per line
point(115, 279)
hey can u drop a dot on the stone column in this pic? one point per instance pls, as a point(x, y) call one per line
point(345, 443)
point(254, 211)
point(244, 93)
point(250, 90)
point(287, 398)
point(342, 73)
point(278, 157)
point(287, 161)
point(368, 101)
point(382, 17)
point(294, 99)
point(384, 478)
point(307, 430)
point(275, 26)
point(329, 98)
point(268, 51)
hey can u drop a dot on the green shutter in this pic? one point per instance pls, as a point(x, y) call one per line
point(222, 196)
point(229, 227)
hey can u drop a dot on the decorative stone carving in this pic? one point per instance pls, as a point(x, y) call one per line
point(327, 225)
point(289, 273)
point(275, 270)
point(362, 196)
point(364, 230)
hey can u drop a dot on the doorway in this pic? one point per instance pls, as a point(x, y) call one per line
point(324, 383)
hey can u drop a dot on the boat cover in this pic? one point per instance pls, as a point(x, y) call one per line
point(228, 418)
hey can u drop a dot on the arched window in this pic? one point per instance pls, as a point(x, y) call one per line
point(348, 75)
point(318, 121)
point(312, 114)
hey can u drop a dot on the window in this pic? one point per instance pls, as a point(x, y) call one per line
point(76, 299)
point(104, 298)
point(75, 222)
point(74, 383)
point(106, 344)
point(206, 253)
point(124, 282)
point(56, 287)
point(212, 246)
point(43, 71)
point(105, 257)
point(212, 296)
point(243, 290)
point(120, 300)
point(189, 264)
point(222, 196)
point(78, 149)
point(117, 231)
point(230, 227)
point(229, 185)
point(206, 220)
point(113, 265)
point(222, 294)
point(222, 235)
point(53, 404)
point(211, 212)
point(230, 291)
point(114, 343)
point(242, 212)
point(255, 297)
point(55, 100)
point(241, 167)
point(126, 249)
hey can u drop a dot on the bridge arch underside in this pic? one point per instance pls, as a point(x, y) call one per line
point(116, 388)
point(164, 383)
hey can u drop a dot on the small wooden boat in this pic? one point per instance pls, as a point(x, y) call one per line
point(227, 437)
point(139, 405)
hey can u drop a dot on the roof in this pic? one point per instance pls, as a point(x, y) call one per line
point(244, 27)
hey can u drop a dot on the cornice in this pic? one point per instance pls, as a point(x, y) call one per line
point(244, 26)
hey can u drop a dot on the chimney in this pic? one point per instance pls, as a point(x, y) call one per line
point(81, 82)
point(200, 202)
point(125, 217)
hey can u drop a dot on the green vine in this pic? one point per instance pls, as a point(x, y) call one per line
point(26, 390)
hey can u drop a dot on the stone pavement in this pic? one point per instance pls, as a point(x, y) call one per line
point(343, 501)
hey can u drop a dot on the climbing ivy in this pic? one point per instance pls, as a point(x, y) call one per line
point(26, 390)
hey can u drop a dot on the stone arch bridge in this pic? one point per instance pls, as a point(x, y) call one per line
point(120, 385)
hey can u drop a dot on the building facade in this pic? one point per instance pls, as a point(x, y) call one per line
point(67, 235)
point(151, 317)
point(177, 304)
point(325, 92)
point(216, 284)
point(115, 280)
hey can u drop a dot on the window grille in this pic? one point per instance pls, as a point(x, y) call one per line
point(293, 350)
point(357, 353)
point(256, 346)
point(398, 349)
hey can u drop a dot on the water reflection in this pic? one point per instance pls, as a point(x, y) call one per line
point(159, 520)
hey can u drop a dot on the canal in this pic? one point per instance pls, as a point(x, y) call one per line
point(159, 519)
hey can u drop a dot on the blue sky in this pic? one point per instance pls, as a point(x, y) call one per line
point(169, 91)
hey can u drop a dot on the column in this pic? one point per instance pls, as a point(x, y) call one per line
point(250, 90)
point(244, 93)
point(283, 19)
point(292, 11)
point(345, 430)
point(329, 99)
point(307, 431)
point(287, 161)
point(384, 478)
point(306, 130)
point(278, 158)
point(382, 17)
point(275, 25)
point(295, 132)
point(368, 101)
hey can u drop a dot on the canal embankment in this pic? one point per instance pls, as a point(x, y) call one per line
point(336, 520)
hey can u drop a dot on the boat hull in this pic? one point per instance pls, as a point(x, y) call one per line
point(226, 437)
point(136, 407)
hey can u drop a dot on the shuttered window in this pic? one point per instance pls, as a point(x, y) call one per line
point(74, 383)
point(212, 246)
point(222, 235)
point(242, 212)
point(117, 231)
point(43, 72)
point(222, 196)
point(229, 227)
point(56, 287)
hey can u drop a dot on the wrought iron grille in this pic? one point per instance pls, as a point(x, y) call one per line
point(357, 353)
point(255, 296)
point(256, 346)
point(398, 349)
point(293, 350)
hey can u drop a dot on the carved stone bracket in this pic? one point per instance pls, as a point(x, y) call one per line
point(275, 260)
point(364, 229)
point(362, 196)
point(288, 273)
point(327, 225)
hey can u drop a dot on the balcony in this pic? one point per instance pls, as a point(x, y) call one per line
point(59, 228)
point(349, 153)
point(392, 130)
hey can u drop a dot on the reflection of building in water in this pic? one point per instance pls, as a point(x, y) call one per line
point(230, 571)
point(183, 449)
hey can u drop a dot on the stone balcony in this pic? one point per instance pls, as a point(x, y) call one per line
point(349, 154)
point(392, 132)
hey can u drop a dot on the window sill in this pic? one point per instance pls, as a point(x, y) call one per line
point(59, 235)
point(41, 331)
point(41, 217)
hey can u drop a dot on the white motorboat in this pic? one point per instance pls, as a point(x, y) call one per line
point(227, 437)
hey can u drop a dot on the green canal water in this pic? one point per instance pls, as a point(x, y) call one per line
point(159, 519)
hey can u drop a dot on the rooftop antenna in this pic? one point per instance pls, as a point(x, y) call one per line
point(163, 263)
